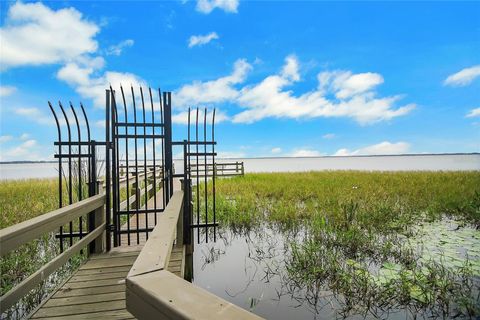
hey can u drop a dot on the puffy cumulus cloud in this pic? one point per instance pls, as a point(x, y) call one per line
point(26, 150)
point(207, 6)
point(33, 114)
point(473, 113)
point(463, 77)
point(355, 97)
point(34, 34)
point(200, 40)
point(89, 85)
point(118, 48)
point(5, 138)
point(382, 148)
point(6, 91)
point(214, 91)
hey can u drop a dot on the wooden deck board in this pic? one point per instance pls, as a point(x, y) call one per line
point(97, 289)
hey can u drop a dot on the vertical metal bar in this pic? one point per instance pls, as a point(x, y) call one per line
point(79, 195)
point(145, 163)
point(60, 189)
point(107, 172)
point(92, 189)
point(198, 181)
point(137, 200)
point(127, 168)
point(205, 172)
point(70, 194)
point(167, 96)
point(186, 200)
point(154, 163)
point(162, 119)
point(115, 202)
point(213, 177)
point(188, 190)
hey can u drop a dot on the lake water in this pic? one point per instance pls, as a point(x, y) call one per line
point(447, 162)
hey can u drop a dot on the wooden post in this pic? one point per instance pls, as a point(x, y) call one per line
point(243, 169)
point(100, 241)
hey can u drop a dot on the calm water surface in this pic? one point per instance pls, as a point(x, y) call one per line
point(447, 162)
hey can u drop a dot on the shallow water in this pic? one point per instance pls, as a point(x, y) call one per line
point(446, 162)
point(248, 269)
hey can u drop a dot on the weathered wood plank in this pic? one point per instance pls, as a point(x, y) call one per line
point(103, 297)
point(94, 283)
point(20, 233)
point(84, 272)
point(115, 254)
point(99, 276)
point(65, 291)
point(156, 253)
point(106, 263)
point(103, 315)
point(80, 309)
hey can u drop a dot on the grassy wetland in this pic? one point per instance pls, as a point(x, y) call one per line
point(375, 245)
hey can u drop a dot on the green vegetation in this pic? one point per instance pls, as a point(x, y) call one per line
point(380, 242)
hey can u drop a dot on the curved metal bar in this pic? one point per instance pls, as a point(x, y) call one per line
point(126, 163)
point(79, 137)
point(145, 162)
point(60, 188)
point(154, 164)
point(91, 181)
point(79, 196)
point(214, 176)
point(137, 201)
point(70, 194)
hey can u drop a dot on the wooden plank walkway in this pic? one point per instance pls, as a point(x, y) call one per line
point(97, 289)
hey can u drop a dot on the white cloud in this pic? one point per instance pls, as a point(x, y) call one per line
point(24, 136)
point(329, 136)
point(182, 117)
point(473, 113)
point(27, 150)
point(464, 77)
point(35, 34)
point(34, 114)
point(305, 153)
point(382, 148)
point(7, 90)
point(276, 150)
point(219, 90)
point(207, 6)
point(5, 138)
point(355, 94)
point(83, 79)
point(117, 49)
point(201, 40)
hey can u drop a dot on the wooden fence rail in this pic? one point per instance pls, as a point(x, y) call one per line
point(13, 237)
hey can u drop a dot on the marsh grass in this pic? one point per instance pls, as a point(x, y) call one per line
point(357, 230)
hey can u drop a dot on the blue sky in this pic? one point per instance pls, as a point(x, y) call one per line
point(287, 78)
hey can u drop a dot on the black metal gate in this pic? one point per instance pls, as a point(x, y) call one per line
point(132, 127)
point(139, 171)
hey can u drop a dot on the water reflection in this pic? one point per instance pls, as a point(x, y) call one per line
point(267, 271)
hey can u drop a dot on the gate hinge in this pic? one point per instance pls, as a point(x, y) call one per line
point(110, 227)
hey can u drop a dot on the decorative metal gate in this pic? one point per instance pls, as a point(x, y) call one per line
point(139, 171)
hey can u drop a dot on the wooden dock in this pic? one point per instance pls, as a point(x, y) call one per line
point(97, 289)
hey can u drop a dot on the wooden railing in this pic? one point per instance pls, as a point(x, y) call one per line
point(222, 169)
point(13, 237)
point(152, 292)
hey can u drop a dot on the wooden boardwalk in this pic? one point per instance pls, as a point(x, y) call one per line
point(97, 289)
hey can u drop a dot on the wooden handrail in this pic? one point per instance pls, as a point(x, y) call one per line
point(14, 236)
